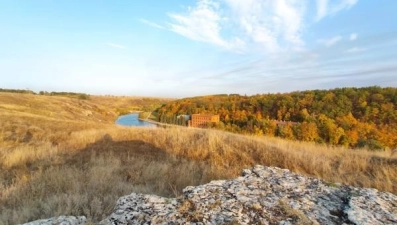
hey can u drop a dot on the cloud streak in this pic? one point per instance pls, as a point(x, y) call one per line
point(355, 50)
point(326, 8)
point(203, 23)
point(113, 45)
point(152, 24)
point(331, 41)
point(321, 9)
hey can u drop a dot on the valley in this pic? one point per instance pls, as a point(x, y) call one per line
point(58, 160)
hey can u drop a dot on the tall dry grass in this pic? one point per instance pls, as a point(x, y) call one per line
point(229, 153)
point(87, 173)
point(88, 181)
point(54, 166)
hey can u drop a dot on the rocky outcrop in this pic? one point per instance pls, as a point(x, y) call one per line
point(262, 195)
point(62, 220)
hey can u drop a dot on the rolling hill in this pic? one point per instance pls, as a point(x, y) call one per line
point(57, 158)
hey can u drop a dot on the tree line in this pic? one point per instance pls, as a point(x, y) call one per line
point(17, 91)
point(82, 96)
point(354, 117)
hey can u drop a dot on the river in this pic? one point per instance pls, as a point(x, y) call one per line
point(131, 120)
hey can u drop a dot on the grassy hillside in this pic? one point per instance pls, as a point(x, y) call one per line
point(55, 159)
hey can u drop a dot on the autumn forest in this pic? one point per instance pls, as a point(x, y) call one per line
point(353, 117)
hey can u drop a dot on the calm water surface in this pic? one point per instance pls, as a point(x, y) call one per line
point(132, 120)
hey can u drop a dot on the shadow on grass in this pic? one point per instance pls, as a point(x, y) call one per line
point(124, 150)
point(88, 181)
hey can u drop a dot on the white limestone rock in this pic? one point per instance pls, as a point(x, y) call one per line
point(62, 220)
point(369, 206)
point(262, 195)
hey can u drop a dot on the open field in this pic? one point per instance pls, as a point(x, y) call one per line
point(58, 159)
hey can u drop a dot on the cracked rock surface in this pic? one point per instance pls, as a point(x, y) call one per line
point(262, 195)
point(62, 220)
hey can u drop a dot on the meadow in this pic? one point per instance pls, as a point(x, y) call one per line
point(65, 156)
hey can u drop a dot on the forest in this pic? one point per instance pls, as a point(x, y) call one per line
point(352, 117)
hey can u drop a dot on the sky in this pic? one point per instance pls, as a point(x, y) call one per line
point(182, 48)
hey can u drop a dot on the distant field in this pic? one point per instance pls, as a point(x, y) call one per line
point(62, 155)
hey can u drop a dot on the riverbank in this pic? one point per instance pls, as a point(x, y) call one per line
point(159, 124)
point(132, 120)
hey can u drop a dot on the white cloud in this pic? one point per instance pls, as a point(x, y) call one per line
point(116, 45)
point(254, 19)
point(325, 7)
point(321, 9)
point(269, 25)
point(273, 24)
point(355, 50)
point(291, 16)
point(262, 25)
point(203, 23)
point(344, 4)
point(353, 36)
point(150, 23)
point(331, 41)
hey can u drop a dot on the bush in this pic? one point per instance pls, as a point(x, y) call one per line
point(83, 97)
point(371, 144)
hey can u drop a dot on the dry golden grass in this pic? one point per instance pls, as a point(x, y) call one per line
point(75, 164)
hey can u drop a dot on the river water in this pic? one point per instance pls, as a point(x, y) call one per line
point(131, 120)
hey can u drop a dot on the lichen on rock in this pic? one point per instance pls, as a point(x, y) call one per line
point(61, 220)
point(262, 195)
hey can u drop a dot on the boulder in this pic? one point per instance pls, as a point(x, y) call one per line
point(62, 220)
point(262, 195)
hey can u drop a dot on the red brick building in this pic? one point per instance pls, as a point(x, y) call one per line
point(200, 120)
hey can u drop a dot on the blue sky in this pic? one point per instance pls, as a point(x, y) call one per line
point(178, 48)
